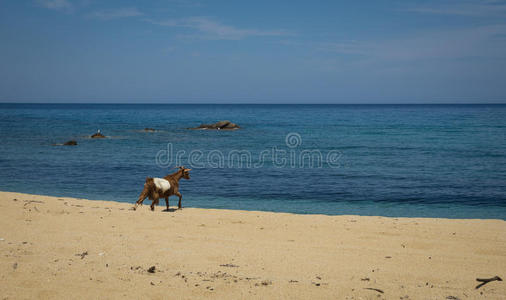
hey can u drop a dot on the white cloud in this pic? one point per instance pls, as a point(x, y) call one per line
point(109, 14)
point(211, 29)
point(484, 42)
point(464, 8)
point(62, 5)
point(346, 47)
point(185, 3)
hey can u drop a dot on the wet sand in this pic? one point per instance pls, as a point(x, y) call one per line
point(54, 248)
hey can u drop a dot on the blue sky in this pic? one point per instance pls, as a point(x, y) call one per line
point(188, 51)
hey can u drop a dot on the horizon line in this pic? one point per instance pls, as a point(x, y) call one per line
point(250, 103)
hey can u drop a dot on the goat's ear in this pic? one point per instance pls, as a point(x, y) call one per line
point(187, 169)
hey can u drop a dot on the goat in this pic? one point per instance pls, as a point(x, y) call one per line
point(156, 188)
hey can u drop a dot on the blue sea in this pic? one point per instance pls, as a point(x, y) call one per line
point(389, 160)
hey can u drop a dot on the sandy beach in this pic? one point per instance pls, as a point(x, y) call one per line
point(61, 248)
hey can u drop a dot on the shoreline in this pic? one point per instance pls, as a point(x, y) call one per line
point(60, 247)
point(161, 206)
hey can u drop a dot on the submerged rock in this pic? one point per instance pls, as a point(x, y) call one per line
point(220, 125)
point(70, 143)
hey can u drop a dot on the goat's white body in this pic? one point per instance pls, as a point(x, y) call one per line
point(162, 184)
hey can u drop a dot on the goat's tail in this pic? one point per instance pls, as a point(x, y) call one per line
point(146, 192)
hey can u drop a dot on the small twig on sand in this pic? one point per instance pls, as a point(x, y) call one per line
point(82, 254)
point(486, 280)
point(230, 266)
point(31, 201)
point(373, 289)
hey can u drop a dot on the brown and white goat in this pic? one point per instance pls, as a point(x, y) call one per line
point(156, 188)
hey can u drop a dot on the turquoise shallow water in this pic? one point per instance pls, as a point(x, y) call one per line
point(390, 160)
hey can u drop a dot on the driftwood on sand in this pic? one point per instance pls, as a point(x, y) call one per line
point(374, 289)
point(486, 280)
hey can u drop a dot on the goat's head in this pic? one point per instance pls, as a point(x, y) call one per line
point(185, 172)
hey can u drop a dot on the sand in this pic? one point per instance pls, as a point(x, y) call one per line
point(63, 248)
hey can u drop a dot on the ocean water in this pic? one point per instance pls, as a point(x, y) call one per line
point(389, 160)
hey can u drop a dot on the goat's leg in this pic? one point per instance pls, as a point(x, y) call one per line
point(167, 202)
point(180, 197)
point(142, 196)
point(155, 202)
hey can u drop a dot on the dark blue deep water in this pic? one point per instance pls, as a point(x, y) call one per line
point(390, 160)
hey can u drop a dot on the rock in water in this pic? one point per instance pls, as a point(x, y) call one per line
point(98, 135)
point(220, 125)
point(231, 126)
point(70, 143)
